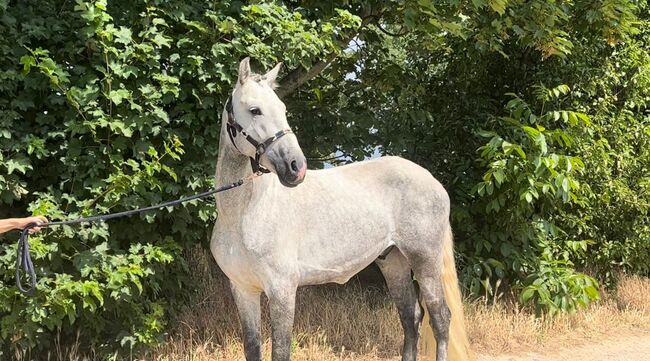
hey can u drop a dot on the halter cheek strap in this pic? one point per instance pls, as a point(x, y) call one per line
point(234, 128)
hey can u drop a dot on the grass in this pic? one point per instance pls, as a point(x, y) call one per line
point(627, 309)
point(333, 322)
point(351, 322)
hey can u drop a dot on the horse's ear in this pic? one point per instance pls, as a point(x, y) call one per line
point(272, 75)
point(244, 70)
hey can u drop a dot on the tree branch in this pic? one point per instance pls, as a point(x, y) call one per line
point(401, 32)
point(299, 76)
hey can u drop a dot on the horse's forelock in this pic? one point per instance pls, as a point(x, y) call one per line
point(262, 80)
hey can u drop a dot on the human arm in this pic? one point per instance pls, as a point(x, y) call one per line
point(9, 224)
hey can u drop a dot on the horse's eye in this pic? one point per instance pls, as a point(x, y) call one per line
point(255, 111)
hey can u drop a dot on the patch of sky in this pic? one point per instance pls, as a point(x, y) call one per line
point(376, 153)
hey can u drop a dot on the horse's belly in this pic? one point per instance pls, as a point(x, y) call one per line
point(342, 258)
point(314, 274)
point(347, 231)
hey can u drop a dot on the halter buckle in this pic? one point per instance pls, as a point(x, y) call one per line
point(261, 149)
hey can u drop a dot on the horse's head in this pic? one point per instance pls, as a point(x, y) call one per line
point(257, 123)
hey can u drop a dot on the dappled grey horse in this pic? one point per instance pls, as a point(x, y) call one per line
point(301, 227)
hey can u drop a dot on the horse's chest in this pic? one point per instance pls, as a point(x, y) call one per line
point(240, 262)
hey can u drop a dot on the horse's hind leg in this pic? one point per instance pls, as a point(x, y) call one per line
point(248, 305)
point(440, 316)
point(427, 267)
point(397, 273)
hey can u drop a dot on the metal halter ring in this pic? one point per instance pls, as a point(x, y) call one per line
point(261, 149)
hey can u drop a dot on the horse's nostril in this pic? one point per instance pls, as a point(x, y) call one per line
point(294, 166)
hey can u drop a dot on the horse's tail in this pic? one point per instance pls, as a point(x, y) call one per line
point(459, 349)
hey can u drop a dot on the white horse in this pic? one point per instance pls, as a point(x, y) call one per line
point(311, 227)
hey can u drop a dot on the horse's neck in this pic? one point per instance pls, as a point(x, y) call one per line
point(231, 166)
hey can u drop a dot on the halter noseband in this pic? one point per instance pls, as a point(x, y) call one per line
point(260, 147)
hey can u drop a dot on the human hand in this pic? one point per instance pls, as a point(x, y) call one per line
point(29, 220)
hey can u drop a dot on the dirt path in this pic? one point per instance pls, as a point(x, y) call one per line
point(634, 347)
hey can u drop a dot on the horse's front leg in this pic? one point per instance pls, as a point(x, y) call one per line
point(248, 305)
point(282, 306)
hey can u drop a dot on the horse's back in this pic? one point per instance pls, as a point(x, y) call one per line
point(403, 193)
point(389, 175)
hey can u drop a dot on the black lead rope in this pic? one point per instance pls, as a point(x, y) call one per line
point(24, 263)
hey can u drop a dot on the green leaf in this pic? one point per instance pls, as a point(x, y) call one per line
point(499, 176)
point(506, 249)
point(27, 61)
point(532, 132)
point(116, 96)
point(18, 164)
point(123, 35)
point(527, 294)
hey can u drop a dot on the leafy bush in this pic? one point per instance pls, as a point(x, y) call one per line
point(555, 286)
point(529, 182)
point(617, 153)
point(549, 185)
point(108, 107)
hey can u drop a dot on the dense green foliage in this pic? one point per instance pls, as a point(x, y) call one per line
point(110, 107)
point(534, 114)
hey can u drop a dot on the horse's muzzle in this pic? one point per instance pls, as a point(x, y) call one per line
point(294, 172)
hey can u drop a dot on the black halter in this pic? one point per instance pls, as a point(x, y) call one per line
point(260, 147)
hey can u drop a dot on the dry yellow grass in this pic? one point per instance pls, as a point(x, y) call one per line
point(329, 321)
point(501, 328)
point(351, 322)
point(633, 293)
point(333, 322)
